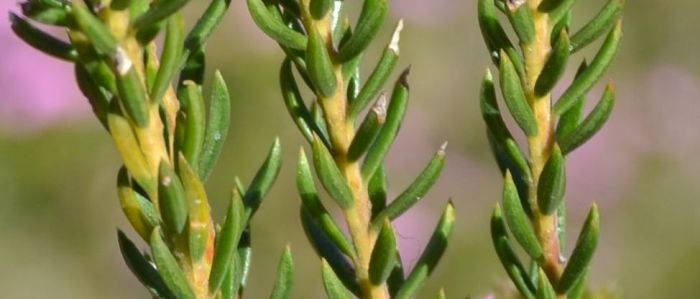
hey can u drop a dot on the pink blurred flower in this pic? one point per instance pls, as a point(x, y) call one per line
point(35, 90)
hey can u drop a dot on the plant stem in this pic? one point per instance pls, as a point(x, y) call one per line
point(541, 144)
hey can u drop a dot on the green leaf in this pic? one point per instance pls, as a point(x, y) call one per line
point(593, 73)
point(431, 254)
point(217, 126)
point(569, 121)
point(97, 96)
point(379, 75)
point(383, 254)
point(100, 37)
point(330, 176)
point(514, 97)
point(377, 189)
point(415, 192)
point(544, 287)
point(332, 284)
point(312, 203)
point(285, 277)
point(274, 28)
point(592, 124)
point(601, 23)
point(49, 12)
point(142, 268)
point(368, 24)
point(170, 59)
point(41, 40)
point(319, 8)
point(394, 117)
point(518, 221)
point(227, 243)
point(521, 18)
point(509, 259)
point(159, 11)
point(171, 199)
point(168, 267)
point(135, 210)
point(368, 130)
point(133, 95)
point(319, 65)
point(200, 223)
point(558, 10)
point(396, 279)
point(497, 129)
point(205, 25)
point(192, 105)
point(263, 180)
point(495, 37)
point(325, 248)
point(552, 184)
point(580, 259)
point(555, 66)
point(295, 103)
point(579, 289)
point(231, 282)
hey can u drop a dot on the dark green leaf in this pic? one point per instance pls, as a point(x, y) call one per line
point(159, 11)
point(171, 199)
point(100, 37)
point(507, 255)
point(142, 268)
point(518, 221)
point(97, 96)
point(312, 203)
point(593, 73)
point(377, 189)
point(552, 184)
point(559, 10)
point(591, 125)
point(319, 65)
point(217, 126)
point(274, 28)
point(554, 67)
point(544, 287)
point(263, 180)
point(227, 242)
point(383, 255)
point(330, 176)
point(569, 121)
point(195, 122)
point(327, 250)
point(368, 24)
point(420, 186)
point(168, 267)
point(170, 59)
point(514, 97)
point(394, 117)
point(139, 211)
point(319, 8)
point(285, 277)
point(205, 25)
point(41, 40)
point(132, 94)
point(368, 130)
point(580, 259)
point(379, 75)
point(600, 24)
point(295, 104)
point(49, 12)
point(332, 284)
point(521, 18)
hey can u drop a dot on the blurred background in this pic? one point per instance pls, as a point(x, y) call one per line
point(59, 211)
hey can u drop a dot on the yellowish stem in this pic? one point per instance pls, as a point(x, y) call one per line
point(540, 145)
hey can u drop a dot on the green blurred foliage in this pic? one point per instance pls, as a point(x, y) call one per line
point(59, 210)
